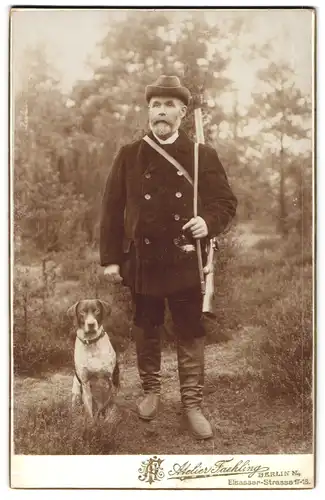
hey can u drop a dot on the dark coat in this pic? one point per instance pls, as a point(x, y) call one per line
point(146, 203)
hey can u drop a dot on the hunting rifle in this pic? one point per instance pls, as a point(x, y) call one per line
point(206, 272)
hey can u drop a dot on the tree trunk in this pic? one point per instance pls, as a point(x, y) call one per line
point(282, 226)
point(300, 203)
point(235, 119)
point(25, 307)
point(45, 284)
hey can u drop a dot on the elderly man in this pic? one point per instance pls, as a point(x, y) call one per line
point(147, 238)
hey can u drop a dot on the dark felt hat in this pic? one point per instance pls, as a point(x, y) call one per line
point(168, 86)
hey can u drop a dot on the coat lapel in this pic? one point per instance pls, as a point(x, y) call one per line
point(182, 150)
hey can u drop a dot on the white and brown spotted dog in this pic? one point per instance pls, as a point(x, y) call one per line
point(96, 376)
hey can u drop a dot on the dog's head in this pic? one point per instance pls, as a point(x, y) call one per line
point(89, 314)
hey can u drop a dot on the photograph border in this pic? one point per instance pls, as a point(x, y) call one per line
point(316, 176)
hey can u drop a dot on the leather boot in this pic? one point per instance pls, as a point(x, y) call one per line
point(148, 350)
point(190, 354)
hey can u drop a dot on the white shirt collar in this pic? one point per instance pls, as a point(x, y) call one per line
point(170, 139)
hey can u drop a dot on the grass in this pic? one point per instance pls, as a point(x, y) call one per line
point(244, 419)
point(55, 430)
point(259, 366)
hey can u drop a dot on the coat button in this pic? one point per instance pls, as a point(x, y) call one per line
point(147, 241)
point(179, 173)
point(147, 196)
point(178, 194)
point(176, 217)
point(147, 175)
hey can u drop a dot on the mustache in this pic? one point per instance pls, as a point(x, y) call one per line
point(160, 120)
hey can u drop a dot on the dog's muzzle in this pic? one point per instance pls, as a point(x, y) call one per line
point(91, 326)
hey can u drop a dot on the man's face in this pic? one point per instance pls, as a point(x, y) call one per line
point(165, 115)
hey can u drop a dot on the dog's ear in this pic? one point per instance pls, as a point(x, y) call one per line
point(72, 311)
point(106, 306)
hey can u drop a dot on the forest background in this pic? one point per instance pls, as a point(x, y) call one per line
point(254, 70)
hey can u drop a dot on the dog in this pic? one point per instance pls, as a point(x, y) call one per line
point(95, 359)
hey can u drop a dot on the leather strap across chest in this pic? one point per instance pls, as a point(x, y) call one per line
point(169, 158)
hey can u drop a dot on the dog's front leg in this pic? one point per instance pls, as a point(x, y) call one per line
point(88, 398)
point(76, 392)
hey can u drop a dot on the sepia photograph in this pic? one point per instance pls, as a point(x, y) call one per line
point(162, 175)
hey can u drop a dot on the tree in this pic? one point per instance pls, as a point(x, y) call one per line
point(168, 45)
point(285, 115)
point(45, 206)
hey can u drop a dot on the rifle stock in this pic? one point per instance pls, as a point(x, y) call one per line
point(207, 307)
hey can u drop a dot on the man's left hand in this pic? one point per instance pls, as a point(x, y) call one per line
point(197, 226)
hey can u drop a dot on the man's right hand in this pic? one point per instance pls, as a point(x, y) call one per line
point(113, 272)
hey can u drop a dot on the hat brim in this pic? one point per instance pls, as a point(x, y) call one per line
point(181, 93)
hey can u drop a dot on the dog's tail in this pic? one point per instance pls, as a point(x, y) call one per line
point(116, 376)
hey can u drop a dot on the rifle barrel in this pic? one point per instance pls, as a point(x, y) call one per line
point(199, 126)
point(208, 285)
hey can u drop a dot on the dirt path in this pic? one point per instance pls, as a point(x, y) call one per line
point(222, 359)
point(246, 236)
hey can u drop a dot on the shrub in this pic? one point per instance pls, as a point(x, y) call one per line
point(72, 266)
point(56, 430)
point(284, 353)
point(41, 354)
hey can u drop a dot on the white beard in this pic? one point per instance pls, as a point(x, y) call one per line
point(162, 129)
